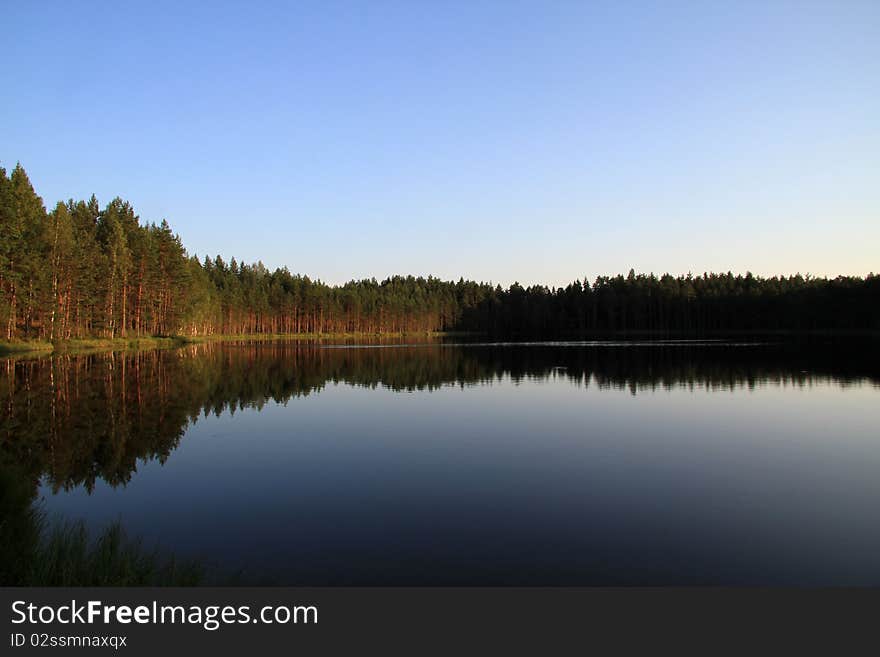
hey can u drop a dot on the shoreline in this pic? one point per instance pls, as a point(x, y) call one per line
point(12, 348)
point(31, 348)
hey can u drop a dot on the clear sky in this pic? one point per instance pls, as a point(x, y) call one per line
point(532, 141)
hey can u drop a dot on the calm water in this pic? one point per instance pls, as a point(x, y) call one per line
point(566, 463)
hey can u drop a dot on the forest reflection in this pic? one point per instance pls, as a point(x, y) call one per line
point(69, 420)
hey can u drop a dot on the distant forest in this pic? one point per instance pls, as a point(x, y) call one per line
point(84, 271)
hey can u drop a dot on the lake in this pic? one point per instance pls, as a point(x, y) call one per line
point(567, 463)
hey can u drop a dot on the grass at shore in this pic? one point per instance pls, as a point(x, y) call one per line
point(11, 348)
point(39, 550)
point(32, 348)
point(37, 347)
point(258, 337)
point(66, 556)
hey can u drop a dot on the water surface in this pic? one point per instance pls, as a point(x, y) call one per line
point(555, 463)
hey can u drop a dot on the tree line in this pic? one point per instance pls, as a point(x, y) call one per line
point(81, 271)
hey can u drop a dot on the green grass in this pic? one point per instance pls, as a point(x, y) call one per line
point(311, 336)
point(24, 346)
point(64, 554)
point(79, 345)
point(118, 344)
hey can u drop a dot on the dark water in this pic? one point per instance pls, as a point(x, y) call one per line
point(561, 464)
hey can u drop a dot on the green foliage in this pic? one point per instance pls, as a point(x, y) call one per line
point(711, 303)
point(82, 272)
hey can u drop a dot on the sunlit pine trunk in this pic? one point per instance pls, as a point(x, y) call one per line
point(10, 325)
point(124, 297)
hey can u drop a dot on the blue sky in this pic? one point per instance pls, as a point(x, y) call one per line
point(529, 141)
